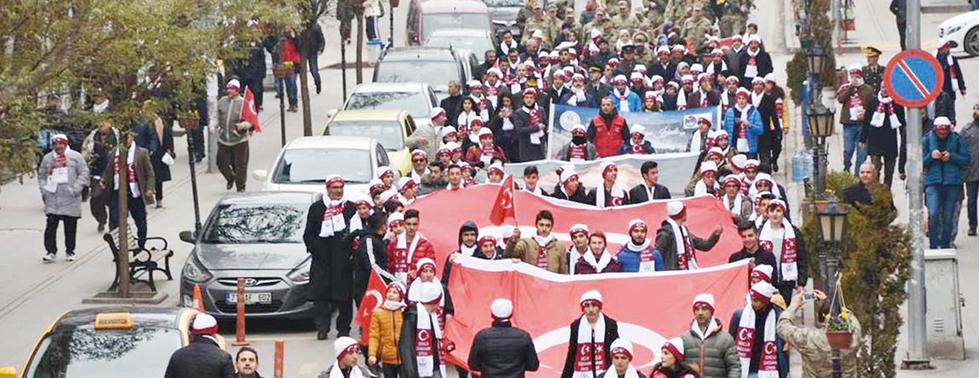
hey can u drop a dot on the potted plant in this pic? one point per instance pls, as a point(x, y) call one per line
point(189, 120)
point(838, 332)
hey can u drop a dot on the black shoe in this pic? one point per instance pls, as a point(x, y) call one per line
point(318, 89)
point(343, 334)
point(322, 335)
point(230, 184)
point(101, 228)
point(972, 232)
point(774, 167)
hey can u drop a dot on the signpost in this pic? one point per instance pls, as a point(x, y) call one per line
point(913, 78)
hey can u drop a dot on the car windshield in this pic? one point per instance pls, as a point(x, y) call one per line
point(474, 43)
point(266, 223)
point(432, 22)
point(389, 133)
point(412, 102)
point(504, 3)
point(434, 73)
point(86, 352)
point(313, 165)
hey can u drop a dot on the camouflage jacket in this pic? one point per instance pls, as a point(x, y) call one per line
point(817, 357)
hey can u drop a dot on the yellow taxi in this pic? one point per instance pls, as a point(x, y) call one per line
point(390, 127)
point(110, 342)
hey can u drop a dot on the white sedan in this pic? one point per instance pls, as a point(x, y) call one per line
point(304, 164)
point(963, 29)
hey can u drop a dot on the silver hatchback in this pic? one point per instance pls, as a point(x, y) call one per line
point(259, 237)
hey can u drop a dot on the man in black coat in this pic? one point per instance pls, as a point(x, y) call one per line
point(328, 240)
point(431, 339)
point(503, 350)
point(530, 129)
point(570, 188)
point(765, 103)
point(581, 350)
point(900, 8)
point(754, 62)
point(954, 81)
point(752, 250)
point(452, 104)
point(371, 252)
point(202, 358)
point(596, 88)
point(649, 189)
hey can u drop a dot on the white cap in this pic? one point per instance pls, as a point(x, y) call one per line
point(704, 298)
point(762, 288)
point(537, 34)
point(591, 295)
point(687, 78)
point(708, 166)
point(714, 151)
point(501, 308)
point(383, 170)
point(635, 223)
point(942, 121)
point(697, 67)
point(445, 131)
point(344, 345)
point(770, 77)
point(424, 261)
point(395, 217)
point(739, 160)
point(496, 166)
point(567, 174)
point(620, 79)
point(404, 182)
point(484, 131)
point(233, 83)
point(621, 345)
point(388, 195)
point(674, 208)
point(579, 227)
point(431, 292)
point(754, 38)
point(675, 346)
point(204, 324)
point(495, 71)
point(764, 269)
point(637, 128)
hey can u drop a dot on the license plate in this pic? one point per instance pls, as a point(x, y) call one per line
point(250, 298)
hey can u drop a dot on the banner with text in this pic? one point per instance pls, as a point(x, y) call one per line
point(675, 170)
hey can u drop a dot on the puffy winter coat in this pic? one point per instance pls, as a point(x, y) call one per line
point(716, 356)
point(944, 173)
point(67, 197)
point(385, 333)
point(526, 249)
point(755, 127)
point(503, 351)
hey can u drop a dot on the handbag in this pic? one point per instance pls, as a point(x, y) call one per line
point(167, 159)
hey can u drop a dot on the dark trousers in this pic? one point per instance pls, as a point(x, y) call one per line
point(137, 210)
point(196, 136)
point(390, 371)
point(51, 233)
point(98, 206)
point(776, 144)
point(372, 30)
point(312, 61)
point(255, 85)
point(158, 191)
point(887, 163)
point(233, 163)
point(785, 288)
point(971, 192)
point(902, 27)
point(324, 310)
point(765, 150)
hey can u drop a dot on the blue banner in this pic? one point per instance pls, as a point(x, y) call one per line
point(668, 132)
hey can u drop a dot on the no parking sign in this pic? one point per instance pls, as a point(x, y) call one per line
point(914, 78)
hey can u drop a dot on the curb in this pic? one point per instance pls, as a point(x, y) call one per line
point(946, 8)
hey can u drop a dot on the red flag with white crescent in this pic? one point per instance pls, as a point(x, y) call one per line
point(249, 112)
point(373, 299)
point(503, 206)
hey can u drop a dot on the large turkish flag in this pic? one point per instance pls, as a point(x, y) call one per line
point(650, 308)
point(444, 211)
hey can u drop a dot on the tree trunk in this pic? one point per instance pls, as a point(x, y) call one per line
point(360, 46)
point(304, 91)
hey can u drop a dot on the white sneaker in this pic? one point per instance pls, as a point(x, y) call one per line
point(70, 257)
point(48, 257)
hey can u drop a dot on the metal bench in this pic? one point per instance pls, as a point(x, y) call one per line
point(143, 261)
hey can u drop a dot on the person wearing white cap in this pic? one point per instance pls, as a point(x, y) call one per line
point(707, 184)
point(579, 148)
point(672, 362)
point(579, 234)
point(621, 352)
point(502, 350)
point(743, 124)
point(734, 201)
point(591, 339)
point(609, 130)
point(61, 176)
point(946, 158)
point(784, 240)
point(419, 165)
point(331, 268)
point(233, 133)
point(855, 97)
point(570, 188)
point(542, 250)
point(764, 102)
point(677, 244)
point(203, 357)
point(407, 190)
point(610, 193)
point(706, 345)
point(424, 273)
point(485, 151)
point(754, 61)
point(529, 128)
point(760, 349)
point(704, 95)
point(639, 254)
point(346, 349)
point(624, 99)
point(638, 145)
point(422, 346)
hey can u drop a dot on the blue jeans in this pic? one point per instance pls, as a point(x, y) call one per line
point(851, 141)
point(975, 4)
point(971, 192)
point(312, 63)
point(290, 88)
point(940, 200)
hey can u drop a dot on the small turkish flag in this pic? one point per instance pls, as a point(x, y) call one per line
point(249, 112)
point(373, 299)
point(503, 206)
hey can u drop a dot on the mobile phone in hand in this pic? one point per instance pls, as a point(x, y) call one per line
point(809, 296)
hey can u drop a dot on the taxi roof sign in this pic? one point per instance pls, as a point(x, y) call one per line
point(113, 321)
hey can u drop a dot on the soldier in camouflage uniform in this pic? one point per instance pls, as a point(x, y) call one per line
point(595, 23)
point(537, 21)
point(644, 55)
point(524, 14)
point(734, 18)
point(873, 72)
point(553, 24)
point(695, 28)
point(653, 16)
point(623, 20)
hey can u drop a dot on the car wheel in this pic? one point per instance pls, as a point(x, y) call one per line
point(972, 41)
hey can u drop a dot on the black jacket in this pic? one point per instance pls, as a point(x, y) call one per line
point(763, 62)
point(857, 194)
point(503, 351)
point(668, 72)
point(331, 273)
point(667, 246)
point(638, 193)
point(372, 244)
point(406, 344)
point(578, 196)
point(452, 106)
point(946, 68)
point(761, 258)
point(527, 151)
point(202, 358)
point(611, 333)
point(882, 141)
point(598, 93)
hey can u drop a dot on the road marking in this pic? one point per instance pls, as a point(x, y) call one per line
point(307, 368)
point(914, 78)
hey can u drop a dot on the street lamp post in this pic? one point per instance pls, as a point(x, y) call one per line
point(832, 230)
point(820, 118)
point(281, 72)
point(189, 124)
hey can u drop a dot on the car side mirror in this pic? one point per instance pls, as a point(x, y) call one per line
point(185, 236)
point(332, 112)
point(260, 174)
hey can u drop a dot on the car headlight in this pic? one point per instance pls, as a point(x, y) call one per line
point(194, 272)
point(300, 275)
point(953, 29)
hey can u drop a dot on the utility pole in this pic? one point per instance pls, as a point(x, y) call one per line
point(917, 357)
point(835, 10)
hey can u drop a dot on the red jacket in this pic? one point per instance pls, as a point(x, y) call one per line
point(608, 138)
point(289, 51)
point(475, 152)
point(397, 256)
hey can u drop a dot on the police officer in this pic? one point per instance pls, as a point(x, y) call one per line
point(873, 73)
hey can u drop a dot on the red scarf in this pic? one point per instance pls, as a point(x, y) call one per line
point(60, 160)
point(779, 106)
point(578, 151)
point(684, 259)
point(535, 117)
point(639, 148)
point(855, 101)
point(888, 108)
point(541, 257)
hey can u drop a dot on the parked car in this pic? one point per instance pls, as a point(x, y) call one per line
point(504, 15)
point(476, 41)
point(425, 16)
point(434, 66)
point(963, 29)
point(304, 163)
point(111, 342)
point(418, 99)
point(258, 236)
point(390, 127)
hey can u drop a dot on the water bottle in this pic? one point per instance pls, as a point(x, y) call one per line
point(809, 166)
point(799, 166)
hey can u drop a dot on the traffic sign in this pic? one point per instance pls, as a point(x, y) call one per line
point(914, 78)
